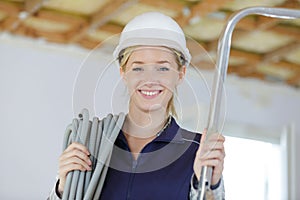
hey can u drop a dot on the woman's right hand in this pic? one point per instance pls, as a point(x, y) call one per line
point(75, 157)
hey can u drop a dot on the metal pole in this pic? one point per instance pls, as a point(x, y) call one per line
point(220, 74)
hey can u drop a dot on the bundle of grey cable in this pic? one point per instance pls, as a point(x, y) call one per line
point(99, 137)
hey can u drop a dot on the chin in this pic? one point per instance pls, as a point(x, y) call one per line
point(152, 107)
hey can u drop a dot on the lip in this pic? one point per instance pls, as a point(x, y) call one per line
point(150, 94)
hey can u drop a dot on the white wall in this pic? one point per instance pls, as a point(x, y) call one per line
point(36, 85)
point(36, 95)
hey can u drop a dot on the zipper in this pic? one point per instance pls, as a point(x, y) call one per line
point(133, 170)
point(131, 178)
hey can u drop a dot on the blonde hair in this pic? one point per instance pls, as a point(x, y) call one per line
point(180, 60)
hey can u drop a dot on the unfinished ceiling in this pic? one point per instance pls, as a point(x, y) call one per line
point(262, 47)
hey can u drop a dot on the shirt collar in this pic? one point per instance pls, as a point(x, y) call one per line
point(171, 134)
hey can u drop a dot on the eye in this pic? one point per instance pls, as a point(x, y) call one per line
point(163, 69)
point(137, 69)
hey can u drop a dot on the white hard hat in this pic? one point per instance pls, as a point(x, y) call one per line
point(153, 29)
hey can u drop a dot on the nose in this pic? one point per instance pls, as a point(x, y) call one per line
point(150, 84)
point(150, 76)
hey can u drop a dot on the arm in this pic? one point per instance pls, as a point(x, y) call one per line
point(217, 191)
point(75, 157)
point(54, 194)
point(210, 153)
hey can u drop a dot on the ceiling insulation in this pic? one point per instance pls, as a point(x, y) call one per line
point(46, 25)
point(294, 56)
point(82, 7)
point(205, 29)
point(3, 15)
point(275, 71)
point(261, 41)
point(262, 47)
point(240, 4)
point(139, 8)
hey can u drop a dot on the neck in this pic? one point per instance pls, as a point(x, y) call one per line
point(144, 124)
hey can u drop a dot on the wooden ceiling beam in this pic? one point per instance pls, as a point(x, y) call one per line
point(78, 24)
point(290, 4)
point(62, 18)
point(252, 58)
point(278, 54)
point(53, 37)
point(290, 30)
point(10, 8)
point(206, 7)
point(104, 15)
point(247, 71)
point(201, 9)
point(255, 22)
point(166, 4)
point(107, 12)
point(12, 14)
point(295, 80)
point(112, 28)
point(89, 42)
point(264, 23)
point(258, 22)
point(74, 22)
point(32, 6)
point(287, 65)
point(247, 23)
point(252, 71)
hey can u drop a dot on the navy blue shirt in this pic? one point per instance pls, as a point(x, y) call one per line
point(163, 169)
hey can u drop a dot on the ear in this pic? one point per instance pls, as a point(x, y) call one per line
point(181, 74)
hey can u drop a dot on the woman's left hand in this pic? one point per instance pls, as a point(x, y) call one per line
point(210, 153)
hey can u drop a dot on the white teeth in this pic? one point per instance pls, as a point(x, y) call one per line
point(149, 93)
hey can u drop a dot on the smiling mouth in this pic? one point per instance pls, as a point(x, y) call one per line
point(150, 93)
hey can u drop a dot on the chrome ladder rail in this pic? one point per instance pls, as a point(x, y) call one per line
point(221, 70)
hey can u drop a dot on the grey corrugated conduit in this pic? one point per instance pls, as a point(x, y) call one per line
point(99, 137)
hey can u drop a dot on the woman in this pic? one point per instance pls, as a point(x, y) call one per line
point(153, 157)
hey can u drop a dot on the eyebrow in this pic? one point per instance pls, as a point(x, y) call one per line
point(163, 62)
point(158, 62)
point(137, 62)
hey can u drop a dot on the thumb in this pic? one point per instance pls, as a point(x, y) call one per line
point(203, 136)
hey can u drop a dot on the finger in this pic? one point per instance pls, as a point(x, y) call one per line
point(211, 137)
point(74, 153)
point(216, 163)
point(203, 136)
point(216, 154)
point(68, 168)
point(219, 145)
point(210, 154)
point(216, 137)
point(211, 146)
point(217, 175)
point(76, 145)
point(218, 169)
point(76, 160)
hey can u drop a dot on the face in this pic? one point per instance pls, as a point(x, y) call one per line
point(151, 75)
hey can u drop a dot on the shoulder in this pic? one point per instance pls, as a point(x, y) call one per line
point(190, 136)
point(190, 141)
point(184, 135)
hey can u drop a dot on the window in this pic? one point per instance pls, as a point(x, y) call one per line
point(252, 170)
